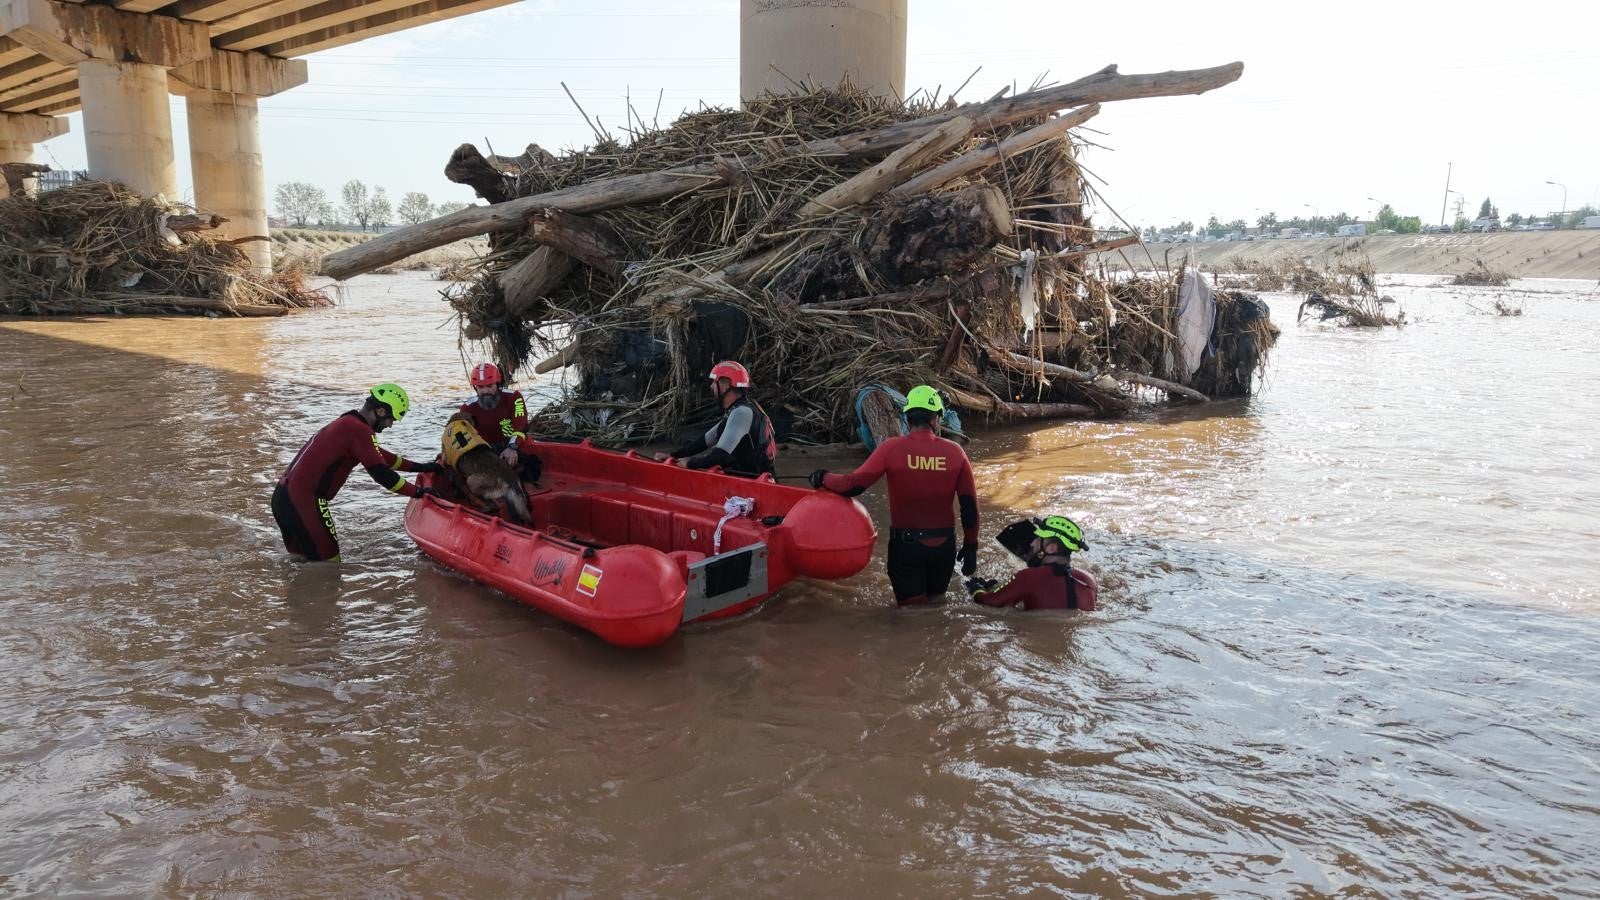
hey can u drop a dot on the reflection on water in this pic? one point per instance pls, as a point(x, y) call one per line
point(1347, 646)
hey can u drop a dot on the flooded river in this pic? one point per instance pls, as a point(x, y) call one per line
point(1348, 646)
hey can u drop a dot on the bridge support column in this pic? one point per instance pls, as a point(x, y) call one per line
point(19, 132)
point(225, 139)
point(787, 41)
point(126, 126)
point(121, 58)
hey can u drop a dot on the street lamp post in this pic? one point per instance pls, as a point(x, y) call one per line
point(1563, 220)
point(1315, 215)
point(1375, 211)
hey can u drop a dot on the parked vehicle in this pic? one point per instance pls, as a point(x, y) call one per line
point(1591, 222)
point(1436, 229)
point(1541, 226)
point(1354, 229)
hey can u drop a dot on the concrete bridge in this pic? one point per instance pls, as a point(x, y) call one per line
point(116, 60)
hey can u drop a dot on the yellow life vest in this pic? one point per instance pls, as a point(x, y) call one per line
point(459, 437)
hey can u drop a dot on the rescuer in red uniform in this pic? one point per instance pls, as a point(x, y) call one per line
point(925, 473)
point(318, 471)
point(501, 418)
point(1047, 582)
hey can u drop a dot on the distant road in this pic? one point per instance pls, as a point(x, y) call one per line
point(1526, 254)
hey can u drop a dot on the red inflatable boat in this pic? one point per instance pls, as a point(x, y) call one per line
point(630, 548)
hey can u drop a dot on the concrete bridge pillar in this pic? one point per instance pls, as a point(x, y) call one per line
point(122, 60)
point(225, 139)
point(126, 125)
point(19, 132)
point(822, 42)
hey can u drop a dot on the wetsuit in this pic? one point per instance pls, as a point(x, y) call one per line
point(502, 424)
point(505, 425)
point(925, 473)
point(742, 441)
point(318, 471)
point(1047, 586)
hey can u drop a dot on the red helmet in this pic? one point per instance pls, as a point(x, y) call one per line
point(485, 375)
point(739, 375)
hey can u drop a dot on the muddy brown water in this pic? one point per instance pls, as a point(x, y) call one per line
point(1348, 647)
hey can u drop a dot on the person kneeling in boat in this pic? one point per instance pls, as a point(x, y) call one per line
point(318, 471)
point(743, 442)
point(500, 417)
point(926, 472)
point(1049, 581)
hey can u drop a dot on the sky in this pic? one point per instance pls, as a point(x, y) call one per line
point(1340, 102)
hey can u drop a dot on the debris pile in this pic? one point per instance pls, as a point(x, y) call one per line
point(827, 239)
point(97, 247)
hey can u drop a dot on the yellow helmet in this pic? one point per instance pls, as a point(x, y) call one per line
point(1063, 529)
point(924, 397)
point(394, 397)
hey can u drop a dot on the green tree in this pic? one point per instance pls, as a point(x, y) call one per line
point(298, 201)
point(449, 206)
point(415, 207)
point(1487, 210)
point(1215, 228)
point(1514, 219)
point(1267, 221)
point(1461, 223)
point(379, 209)
point(357, 202)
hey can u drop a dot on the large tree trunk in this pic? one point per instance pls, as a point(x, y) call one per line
point(591, 242)
point(535, 275)
point(910, 242)
point(608, 193)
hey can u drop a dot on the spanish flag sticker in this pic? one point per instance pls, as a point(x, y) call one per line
point(589, 581)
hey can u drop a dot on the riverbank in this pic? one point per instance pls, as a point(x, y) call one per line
point(308, 246)
point(1522, 254)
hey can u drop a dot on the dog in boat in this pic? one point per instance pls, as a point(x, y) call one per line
point(480, 473)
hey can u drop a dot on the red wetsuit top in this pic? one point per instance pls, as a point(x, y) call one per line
point(1040, 587)
point(507, 420)
point(925, 473)
point(323, 464)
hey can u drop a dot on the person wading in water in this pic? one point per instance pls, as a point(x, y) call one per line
point(1048, 581)
point(926, 473)
point(318, 471)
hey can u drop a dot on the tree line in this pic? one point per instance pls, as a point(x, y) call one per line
point(1385, 220)
point(305, 204)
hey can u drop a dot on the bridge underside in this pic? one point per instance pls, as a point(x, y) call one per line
point(117, 60)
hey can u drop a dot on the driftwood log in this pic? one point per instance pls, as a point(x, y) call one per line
point(895, 169)
point(538, 273)
point(979, 403)
point(591, 242)
point(608, 193)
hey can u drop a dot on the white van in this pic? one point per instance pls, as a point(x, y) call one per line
point(1354, 229)
point(1591, 221)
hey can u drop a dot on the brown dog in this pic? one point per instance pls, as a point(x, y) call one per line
point(481, 471)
